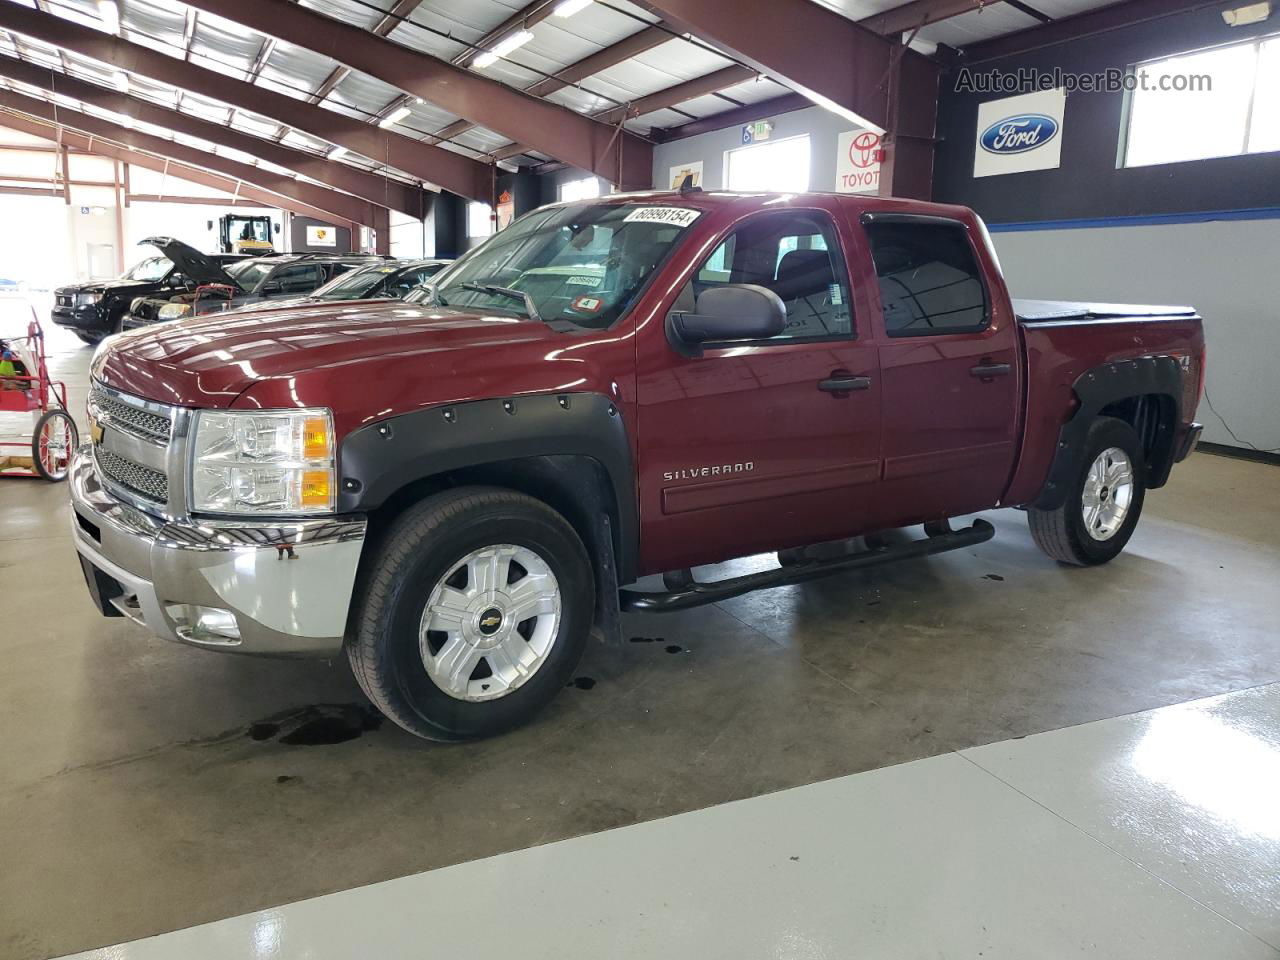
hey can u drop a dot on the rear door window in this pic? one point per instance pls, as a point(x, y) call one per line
point(929, 279)
point(301, 278)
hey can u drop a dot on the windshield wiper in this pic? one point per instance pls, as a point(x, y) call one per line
point(510, 292)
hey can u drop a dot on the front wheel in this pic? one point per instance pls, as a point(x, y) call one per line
point(55, 439)
point(473, 613)
point(1104, 502)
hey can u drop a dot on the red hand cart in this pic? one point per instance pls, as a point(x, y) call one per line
point(27, 389)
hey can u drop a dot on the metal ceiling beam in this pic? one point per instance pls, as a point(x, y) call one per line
point(601, 60)
point(447, 169)
point(338, 204)
point(1080, 25)
point(920, 13)
point(390, 20)
point(813, 50)
point(367, 186)
point(81, 144)
point(679, 93)
point(617, 156)
point(524, 18)
point(733, 118)
point(661, 100)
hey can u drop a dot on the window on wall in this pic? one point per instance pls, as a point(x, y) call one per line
point(779, 165)
point(584, 189)
point(1211, 103)
point(479, 219)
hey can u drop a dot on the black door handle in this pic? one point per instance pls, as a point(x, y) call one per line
point(989, 370)
point(844, 384)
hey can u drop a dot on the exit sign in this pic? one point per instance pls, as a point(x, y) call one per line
point(757, 132)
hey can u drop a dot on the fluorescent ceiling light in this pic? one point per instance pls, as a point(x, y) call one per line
point(502, 48)
point(395, 116)
point(110, 14)
point(120, 80)
point(1247, 16)
point(337, 152)
point(567, 8)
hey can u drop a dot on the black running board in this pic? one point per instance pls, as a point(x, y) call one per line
point(695, 594)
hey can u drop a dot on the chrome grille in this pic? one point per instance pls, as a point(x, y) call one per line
point(130, 419)
point(143, 481)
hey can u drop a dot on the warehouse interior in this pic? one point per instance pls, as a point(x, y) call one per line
point(980, 750)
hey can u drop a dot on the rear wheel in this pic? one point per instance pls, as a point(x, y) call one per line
point(1104, 502)
point(54, 441)
point(92, 339)
point(473, 614)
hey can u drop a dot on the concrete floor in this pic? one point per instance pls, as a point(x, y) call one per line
point(1155, 834)
point(137, 800)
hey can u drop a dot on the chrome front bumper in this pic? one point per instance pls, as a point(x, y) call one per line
point(287, 583)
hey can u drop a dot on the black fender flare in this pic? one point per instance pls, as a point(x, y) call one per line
point(1099, 387)
point(381, 458)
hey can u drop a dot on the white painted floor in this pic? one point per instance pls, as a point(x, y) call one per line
point(1153, 835)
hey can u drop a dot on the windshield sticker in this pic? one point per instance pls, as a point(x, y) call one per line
point(676, 216)
point(586, 304)
point(580, 281)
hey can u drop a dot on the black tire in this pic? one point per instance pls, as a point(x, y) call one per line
point(1063, 534)
point(50, 466)
point(91, 338)
point(423, 545)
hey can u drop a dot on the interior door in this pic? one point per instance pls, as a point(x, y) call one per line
point(763, 444)
point(949, 369)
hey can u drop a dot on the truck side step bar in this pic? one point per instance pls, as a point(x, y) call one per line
point(684, 592)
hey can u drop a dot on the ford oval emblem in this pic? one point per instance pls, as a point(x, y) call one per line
point(1018, 134)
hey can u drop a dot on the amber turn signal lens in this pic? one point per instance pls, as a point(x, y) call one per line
point(315, 438)
point(315, 488)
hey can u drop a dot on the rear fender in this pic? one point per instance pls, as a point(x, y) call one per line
point(1104, 386)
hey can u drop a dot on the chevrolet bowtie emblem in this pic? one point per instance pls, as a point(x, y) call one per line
point(95, 431)
point(491, 621)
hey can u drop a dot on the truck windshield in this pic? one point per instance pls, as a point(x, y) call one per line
point(150, 270)
point(581, 264)
point(355, 284)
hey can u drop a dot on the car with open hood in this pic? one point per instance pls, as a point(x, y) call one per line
point(96, 309)
point(379, 280)
point(248, 281)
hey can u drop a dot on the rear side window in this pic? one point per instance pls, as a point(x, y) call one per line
point(929, 279)
point(302, 278)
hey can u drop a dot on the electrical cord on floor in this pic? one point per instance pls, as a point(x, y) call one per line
point(1227, 426)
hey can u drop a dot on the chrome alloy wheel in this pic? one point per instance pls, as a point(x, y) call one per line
point(490, 622)
point(1108, 493)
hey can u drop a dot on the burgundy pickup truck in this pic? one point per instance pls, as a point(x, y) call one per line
point(454, 492)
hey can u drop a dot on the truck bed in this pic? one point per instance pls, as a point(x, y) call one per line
point(1068, 311)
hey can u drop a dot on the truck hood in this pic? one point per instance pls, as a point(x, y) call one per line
point(208, 361)
point(190, 261)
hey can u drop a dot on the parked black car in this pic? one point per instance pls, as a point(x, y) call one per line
point(249, 281)
point(96, 309)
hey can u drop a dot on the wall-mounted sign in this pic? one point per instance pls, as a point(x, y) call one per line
point(1018, 134)
point(757, 132)
point(321, 236)
point(506, 209)
point(858, 156)
point(682, 170)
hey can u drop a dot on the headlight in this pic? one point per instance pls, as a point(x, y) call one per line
point(87, 299)
point(172, 311)
point(263, 462)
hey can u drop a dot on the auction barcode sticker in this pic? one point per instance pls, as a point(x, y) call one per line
point(677, 216)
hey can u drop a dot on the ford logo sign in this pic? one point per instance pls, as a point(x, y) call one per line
point(1018, 134)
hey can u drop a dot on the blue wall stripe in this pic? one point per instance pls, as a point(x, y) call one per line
point(1252, 213)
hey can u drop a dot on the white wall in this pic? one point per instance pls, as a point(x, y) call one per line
point(1226, 269)
point(822, 126)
